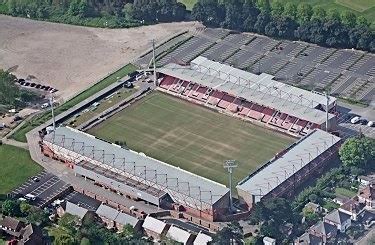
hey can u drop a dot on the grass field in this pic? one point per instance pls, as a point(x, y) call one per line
point(16, 167)
point(345, 192)
point(20, 134)
point(358, 7)
point(192, 137)
point(188, 3)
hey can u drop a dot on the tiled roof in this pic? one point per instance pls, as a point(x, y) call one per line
point(337, 217)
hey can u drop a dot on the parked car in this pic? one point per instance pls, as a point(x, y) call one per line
point(363, 121)
point(370, 123)
point(354, 120)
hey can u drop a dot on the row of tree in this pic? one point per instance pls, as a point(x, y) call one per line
point(290, 21)
point(71, 230)
point(112, 13)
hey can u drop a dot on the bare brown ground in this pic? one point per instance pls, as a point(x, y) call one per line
point(70, 58)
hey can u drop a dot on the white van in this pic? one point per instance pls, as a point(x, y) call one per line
point(354, 120)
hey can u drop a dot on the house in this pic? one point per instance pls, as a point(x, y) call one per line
point(31, 235)
point(316, 208)
point(180, 235)
point(366, 180)
point(341, 220)
point(202, 239)
point(367, 196)
point(353, 208)
point(123, 219)
point(74, 209)
point(23, 235)
point(155, 228)
point(116, 219)
point(11, 226)
point(108, 215)
point(324, 230)
point(308, 239)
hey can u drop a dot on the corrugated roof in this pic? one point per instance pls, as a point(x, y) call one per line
point(74, 209)
point(154, 225)
point(184, 187)
point(178, 234)
point(261, 89)
point(276, 171)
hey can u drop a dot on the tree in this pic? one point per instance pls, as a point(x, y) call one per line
point(128, 231)
point(358, 151)
point(231, 234)
point(11, 208)
point(333, 14)
point(62, 236)
point(362, 21)
point(262, 20)
point(290, 10)
point(277, 8)
point(85, 241)
point(318, 13)
point(264, 5)
point(69, 222)
point(304, 12)
point(209, 12)
point(250, 14)
point(272, 215)
point(233, 20)
point(37, 216)
point(25, 208)
point(349, 19)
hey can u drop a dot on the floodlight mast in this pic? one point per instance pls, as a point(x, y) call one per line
point(154, 60)
point(53, 114)
point(230, 165)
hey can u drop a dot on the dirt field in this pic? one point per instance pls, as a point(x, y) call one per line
point(194, 138)
point(70, 58)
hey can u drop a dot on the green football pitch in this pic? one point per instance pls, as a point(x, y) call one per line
point(192, 137)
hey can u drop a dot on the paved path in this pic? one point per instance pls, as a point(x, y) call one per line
point(15, 143)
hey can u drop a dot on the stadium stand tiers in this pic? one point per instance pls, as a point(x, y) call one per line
point(136, 175)
point(283, 174)
point(257, 97)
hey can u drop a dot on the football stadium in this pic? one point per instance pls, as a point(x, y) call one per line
point(178, 136)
